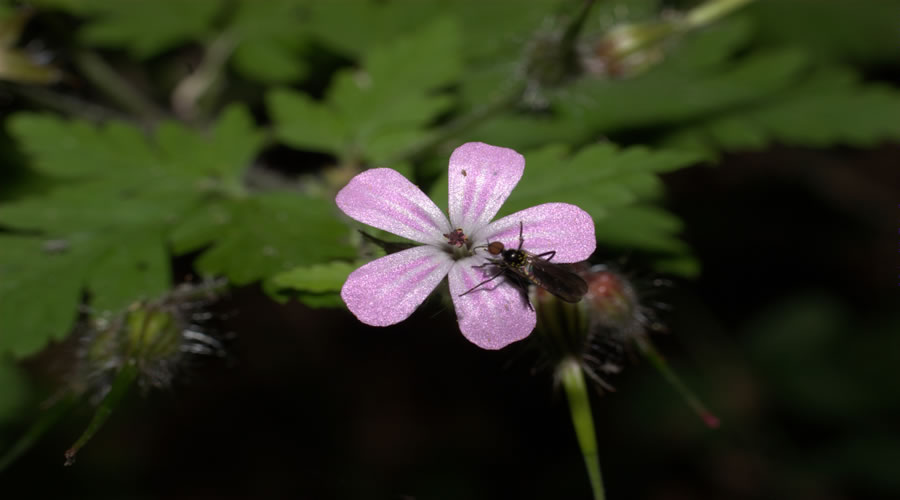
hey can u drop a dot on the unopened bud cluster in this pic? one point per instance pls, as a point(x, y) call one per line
point(595, 332)
point(152, 336)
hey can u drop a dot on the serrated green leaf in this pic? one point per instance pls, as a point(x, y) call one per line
point(77, 149)
point(669, 95)
point(14, 391)
point(274, 232)
point(381, 109)
point(114, 195)
point(644, 227)
point(374, 23)
point(595, 178)
point(319, 278)
point(226, 150)
point(200, 226)
point(38, 296)
point(830, 107)
point(132, 266)
point(712, 45)
point(269, 40)
point(831, 30)
point(147, 27)
point(321, 300)
point(305, 123)
point(679, 90)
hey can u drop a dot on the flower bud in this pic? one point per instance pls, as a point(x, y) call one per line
point(598, 332)
point(154, 336)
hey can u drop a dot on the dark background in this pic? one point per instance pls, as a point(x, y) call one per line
point(789, 335)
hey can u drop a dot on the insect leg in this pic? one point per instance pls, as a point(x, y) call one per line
point(521, 238)
point(551, 254)
point(492, 278)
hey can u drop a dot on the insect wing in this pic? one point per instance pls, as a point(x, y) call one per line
point(558, 279)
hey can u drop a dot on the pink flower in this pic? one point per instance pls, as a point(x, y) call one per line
point(387, 290)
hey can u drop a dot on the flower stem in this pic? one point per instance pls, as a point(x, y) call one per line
point(572, 378)
point(191, 89)
point(41, 425)
point(101, 74)
point(712, 11)
point(656, 359)
point(120, 386)
point(66, 104)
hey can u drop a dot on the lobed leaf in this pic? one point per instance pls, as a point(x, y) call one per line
point(270, 42)
point(377, 111)
point(101, 223)
point(147, 27)
point(830, 107)
point(273, 232)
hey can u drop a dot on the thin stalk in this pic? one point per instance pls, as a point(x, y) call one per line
point(191, 89)
point(711, 11)
point(572, 377)
point(47, 419)
point(656, 359)
point(108, 81)
point(66, 104)
point(123, 381)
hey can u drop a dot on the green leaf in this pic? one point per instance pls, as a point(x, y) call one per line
point(320, 278)
point(225, 151)
point(274, 232)
point(373, 23)
point(132, 266)
point(644, 227)
point(690, 87)
point(101, 224)
point(305, 123)
point(14, 391)
point(147, 27)
point(669, 94)
point(77, 149)
point(595, 178)
point(830, 107)
point(39, 293)
point(381, 109)
point(269, 41)
point(831, 30)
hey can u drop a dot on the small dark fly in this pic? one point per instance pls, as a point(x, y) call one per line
point(525, 268)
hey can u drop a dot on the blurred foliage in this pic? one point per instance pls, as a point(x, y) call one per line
point(107, 206)
point(15, 394)
point(97, 202)
point(17, 65)
point(377, 111)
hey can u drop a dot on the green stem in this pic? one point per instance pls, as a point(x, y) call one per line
point(66, 104)
point(120, 386)
point(656, 359)
point(192, 88)
point(580, 406)
point(712, 11)
point(108, 81)
point(44, 422)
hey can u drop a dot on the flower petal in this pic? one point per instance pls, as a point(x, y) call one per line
point(560, 227)
point(481, 177)
point(387, 290)
point(494, 315)
point(383, 198)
